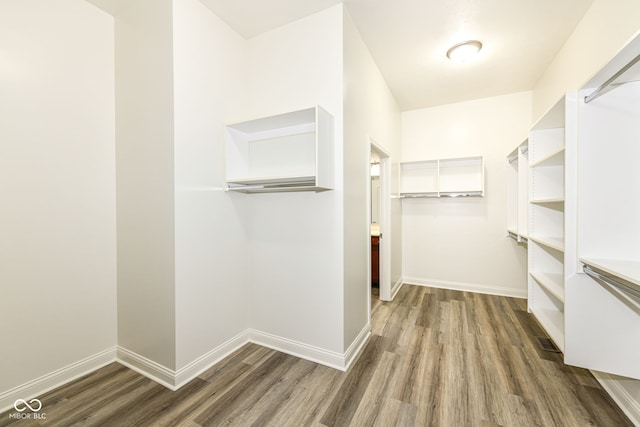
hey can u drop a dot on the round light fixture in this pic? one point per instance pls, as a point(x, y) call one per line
point(464, 51)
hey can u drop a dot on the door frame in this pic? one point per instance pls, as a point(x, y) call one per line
point(384, 219)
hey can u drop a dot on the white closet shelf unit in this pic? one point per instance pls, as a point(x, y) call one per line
point(455, 177)
point(552, 146)
point(517, 193)
point(282, 153)
point(603, 297)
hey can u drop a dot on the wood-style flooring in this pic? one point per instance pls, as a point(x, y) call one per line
point(435, 358)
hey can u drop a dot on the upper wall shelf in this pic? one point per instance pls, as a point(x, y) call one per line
point(457, 177)
point(282, 153)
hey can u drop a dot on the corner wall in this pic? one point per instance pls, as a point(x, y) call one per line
point(370, 113)
point(462, 243)
point(295, 253)
point(211, 244)
point(145, 180)
point(57, 180)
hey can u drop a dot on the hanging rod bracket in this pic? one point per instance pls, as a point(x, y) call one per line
point(608, 85)
point(589, 271)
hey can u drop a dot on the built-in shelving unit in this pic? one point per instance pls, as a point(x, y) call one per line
point(457, 177)
point(518, 193)
point(282, 153)
point(603, 297)
point(552, 161)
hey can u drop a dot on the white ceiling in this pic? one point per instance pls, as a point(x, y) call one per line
point(408, 39)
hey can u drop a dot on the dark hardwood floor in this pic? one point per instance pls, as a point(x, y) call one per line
point(435, 358)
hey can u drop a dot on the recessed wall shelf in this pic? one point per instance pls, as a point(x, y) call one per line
point(282, 153)
point(456, 177)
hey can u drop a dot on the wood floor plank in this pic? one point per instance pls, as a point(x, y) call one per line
point(311, 398)
point(245, 394)
point(369, 411)
point(264, 409)
point(356, 381)
point(436, 357)
point(413, 365)
point(217, 384)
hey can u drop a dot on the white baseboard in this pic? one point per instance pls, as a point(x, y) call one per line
point(295, 348)
point(173, 380)
point(147, 367)
point(619, 394)
point(468, 287)
point(206, 361)
point(356, 346)
point(396, 288)
point(56, 378)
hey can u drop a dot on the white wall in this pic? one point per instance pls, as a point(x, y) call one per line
point(462, 242)
point(370, 113)
point(604, 30)
point(212, 299)
point(57, 181)
point(295, 252)
point(145, 180)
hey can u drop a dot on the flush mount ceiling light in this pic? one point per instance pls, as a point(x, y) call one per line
point(464, 51)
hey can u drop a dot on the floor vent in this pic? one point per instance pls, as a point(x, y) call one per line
point(547, 345)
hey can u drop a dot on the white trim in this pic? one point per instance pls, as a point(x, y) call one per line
point(396, 288)
point(356, 346)
point(173, 380)
point(468, 287)
point(147, 367)
point(384, 219)
point(620, 395)
point(295, 348)
point(56, 378)
point(207, 360)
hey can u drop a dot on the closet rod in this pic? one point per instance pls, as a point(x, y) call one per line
point(608, 85)
point(625, 288)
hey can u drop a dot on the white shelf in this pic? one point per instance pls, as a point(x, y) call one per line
point(554, 201)
point(556, 243)
point(419, 178)
point(285, 152)
point(552, 283)
point(627, 270)
point(458, 177)
point(551, 148)
point(555, 158)
point(272, 180)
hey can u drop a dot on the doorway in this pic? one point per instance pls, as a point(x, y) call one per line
point(379, 220)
